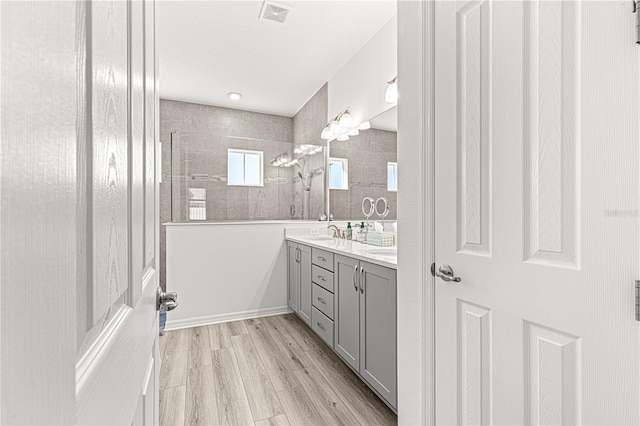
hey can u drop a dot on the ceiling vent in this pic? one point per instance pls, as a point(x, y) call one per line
point(274, 12)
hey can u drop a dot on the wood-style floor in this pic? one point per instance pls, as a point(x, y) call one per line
point(264, 371)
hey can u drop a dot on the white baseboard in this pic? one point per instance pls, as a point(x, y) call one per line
point(215, 319)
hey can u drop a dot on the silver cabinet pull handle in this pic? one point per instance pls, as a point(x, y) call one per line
point(320, 277)
point(321, 300)
point(321, 326)
point(445, 273)
point(362, 280)
point(322, 258)
point(355, 271)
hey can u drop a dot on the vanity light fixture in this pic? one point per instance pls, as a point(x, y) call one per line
point(234, 96)
point(342, 126)
point(391, 95)
point(280, 160)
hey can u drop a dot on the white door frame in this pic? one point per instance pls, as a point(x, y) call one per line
point(416, 295)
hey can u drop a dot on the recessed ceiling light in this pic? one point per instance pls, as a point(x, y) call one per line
point(234, 96)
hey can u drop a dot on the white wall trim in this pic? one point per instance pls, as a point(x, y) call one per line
point(416, 296)
point(232, 316)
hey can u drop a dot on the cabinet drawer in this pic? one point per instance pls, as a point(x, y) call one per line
point(323, 300)
point(322, 277)
point(322, 326)
point(322, 258)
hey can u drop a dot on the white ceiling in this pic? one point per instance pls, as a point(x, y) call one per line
point(209, 48)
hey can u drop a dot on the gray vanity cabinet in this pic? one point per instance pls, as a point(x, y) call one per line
point(347, 310)
point(365, 326)
point(299, 280)
point(378, 325)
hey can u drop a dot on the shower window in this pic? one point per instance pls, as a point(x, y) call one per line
point(339, 173)
point(245, 168)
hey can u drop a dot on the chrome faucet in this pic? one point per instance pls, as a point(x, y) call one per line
point(336, 230)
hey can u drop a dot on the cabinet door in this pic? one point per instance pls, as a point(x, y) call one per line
point(347, 310)
point(378, 329)
point(305, 283)
point(293, 293)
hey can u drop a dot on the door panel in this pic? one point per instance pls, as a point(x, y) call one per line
point(150, 144)
point(473, 29)
point(552, 112)
point(305, 283)
point(378, 329)
point(537, 135)
point(347, 310)
point(108, 164)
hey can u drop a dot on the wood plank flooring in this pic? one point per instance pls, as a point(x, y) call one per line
point(264, 371)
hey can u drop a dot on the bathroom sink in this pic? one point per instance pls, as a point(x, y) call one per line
point(384, 251)
point(319, 238)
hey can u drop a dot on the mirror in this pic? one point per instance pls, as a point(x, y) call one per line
point(368, 163)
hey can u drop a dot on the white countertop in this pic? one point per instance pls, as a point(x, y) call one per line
point(349, 248)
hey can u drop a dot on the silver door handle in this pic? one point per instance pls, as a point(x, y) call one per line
point(321, 300)
point(445, 273)
point(321, 326)
point(355, 271)
point(320, 277)
point(322, 259)
point(362, 280)
point(166, 301)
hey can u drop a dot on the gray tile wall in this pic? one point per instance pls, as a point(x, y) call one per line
point(368, 154)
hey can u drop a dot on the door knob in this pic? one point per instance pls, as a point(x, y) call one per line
point(445, 273)
point(166, 301)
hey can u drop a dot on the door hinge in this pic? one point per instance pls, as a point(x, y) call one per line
point(637, 300)
point(636, 12)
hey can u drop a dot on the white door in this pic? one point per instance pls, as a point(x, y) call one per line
point(79, 213)
point(537, 153)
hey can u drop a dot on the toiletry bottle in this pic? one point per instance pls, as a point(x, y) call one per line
point(349, 231)
point(363, 233)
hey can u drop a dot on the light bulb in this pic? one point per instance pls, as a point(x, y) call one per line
point(346, 121)
point(353, 132)
point(391, 95)
point(343, 137)
point(364, 126)
point(234, 96)
point(334, 127)
point(326, 133)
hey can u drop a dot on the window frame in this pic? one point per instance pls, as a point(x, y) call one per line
point(345, 173)
point(244, 175)
point(395, 165)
